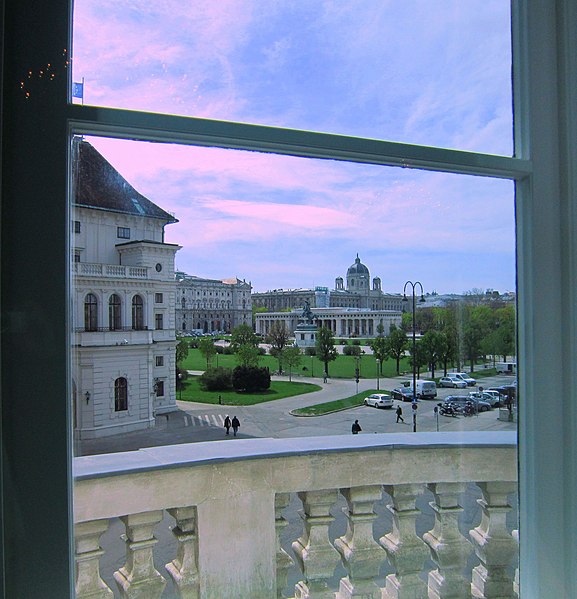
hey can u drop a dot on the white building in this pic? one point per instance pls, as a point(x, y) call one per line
point(210, 305)
point(123, 371)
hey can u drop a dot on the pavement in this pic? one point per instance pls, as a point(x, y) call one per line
point(197, 422)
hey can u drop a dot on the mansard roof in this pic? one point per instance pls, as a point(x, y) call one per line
point(99, 185)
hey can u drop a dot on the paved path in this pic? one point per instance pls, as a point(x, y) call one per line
point(195, 422)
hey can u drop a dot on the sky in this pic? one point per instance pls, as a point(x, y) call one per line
point(432, 73)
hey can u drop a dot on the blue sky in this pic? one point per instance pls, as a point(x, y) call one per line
point(433, 73)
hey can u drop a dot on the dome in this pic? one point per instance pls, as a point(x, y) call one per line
point(358, 268)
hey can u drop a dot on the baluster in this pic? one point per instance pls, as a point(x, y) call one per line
point(516, 581)
point(316, 556)
point(449, 549)
point(405, 549)
point(138, 579)
point(283, 560)
point(360, 554)
point(89, 585)
point(184, 569)
point(494, 544)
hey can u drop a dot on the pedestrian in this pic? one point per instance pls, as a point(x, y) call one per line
point(400, 414)
point(356, 428)
point(227, 424)
point(235, 425)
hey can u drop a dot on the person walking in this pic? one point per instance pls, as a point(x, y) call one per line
point(400, 414)
point(356, 428)
point(227, 424)
point(235, 425)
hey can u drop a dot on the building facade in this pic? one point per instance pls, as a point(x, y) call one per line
point(211, 305)
point(357, 293)
point(123, 366)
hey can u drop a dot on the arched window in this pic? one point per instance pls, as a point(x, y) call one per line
point(120, 394)
point(183, 302)
point(114, 319)
point(137, 313)
point(90, 312)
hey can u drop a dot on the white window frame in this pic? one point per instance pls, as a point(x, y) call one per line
point(36, 466)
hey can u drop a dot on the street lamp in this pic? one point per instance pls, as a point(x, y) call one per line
point(378, 370)
point(405, 300)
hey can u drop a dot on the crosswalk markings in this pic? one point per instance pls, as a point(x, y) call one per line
point(206, 420)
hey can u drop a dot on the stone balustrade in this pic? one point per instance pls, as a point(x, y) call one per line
point(86, 269)
point(391, 516)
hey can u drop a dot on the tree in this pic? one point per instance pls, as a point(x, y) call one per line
point(380, 347)
point(250, 378)
point(181, 351)
point(397, 344)
point(292, 357)
point(433, 345)
point(325, 346)
point(243, 335)
point(419, 358)
point(248, 355)
point(278, 337)
point(216, 379)
point(207, 348)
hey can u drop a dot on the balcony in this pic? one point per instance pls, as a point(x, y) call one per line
point(391, 516)
point(115, 271)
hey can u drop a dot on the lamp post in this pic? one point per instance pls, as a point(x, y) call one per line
point(413, 286)
point(378, 371)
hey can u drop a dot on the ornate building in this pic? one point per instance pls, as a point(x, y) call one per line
point(123, 358)
point(211, 305)
point(357, 294)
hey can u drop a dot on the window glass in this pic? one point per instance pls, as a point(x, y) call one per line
point(433, 73)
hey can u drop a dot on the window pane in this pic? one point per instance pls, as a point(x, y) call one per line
point(433, 73)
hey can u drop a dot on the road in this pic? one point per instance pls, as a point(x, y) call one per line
point(195, 422)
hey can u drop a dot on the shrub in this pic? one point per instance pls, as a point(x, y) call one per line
point(219, 349)
point(227, 350)
point(344, 342)
point(352, 350)
point(193, 344)
point(311, 351)
point(261, 351)
point(216, 379)
point(251, 378)
point(356, 341)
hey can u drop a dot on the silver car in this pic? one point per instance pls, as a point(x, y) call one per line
point(445, 381)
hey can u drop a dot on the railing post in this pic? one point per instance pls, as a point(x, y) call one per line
point(316, 556)
point(360, 554)
point(184, 569)
point(494, 544)
point(405, 549)
point(89, 584)
point(138, 578)
point(283, 559)
point(449, 548)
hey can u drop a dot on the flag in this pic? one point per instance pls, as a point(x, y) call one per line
point(78, 90)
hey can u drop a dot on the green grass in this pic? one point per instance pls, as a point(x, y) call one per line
point(334, 406)
point(191, 391)
point(342, 367)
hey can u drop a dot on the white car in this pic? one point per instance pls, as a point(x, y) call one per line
point(462, 376)
point(454, 383)
point(379, 400)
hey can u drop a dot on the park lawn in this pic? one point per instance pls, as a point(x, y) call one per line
point(334, 406)
point(191, 391)
point(342, 367)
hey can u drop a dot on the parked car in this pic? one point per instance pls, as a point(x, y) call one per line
point(402, 394)
point(446, 381)
point(492, 397)
point(379, 400)
point(462, 376)
point(461, 400)
point(425, 389)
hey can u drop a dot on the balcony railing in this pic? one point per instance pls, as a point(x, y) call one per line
point(408, 527)
point(116, 271)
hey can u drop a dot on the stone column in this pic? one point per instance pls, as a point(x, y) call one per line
point(494, 544)
point(283, 559)
point(360, 554)
point(449, 549)
point(89, 585)
point(138, 578)
point(184, 569)
point(516, 581)
point(315, 555)
point(405, 549)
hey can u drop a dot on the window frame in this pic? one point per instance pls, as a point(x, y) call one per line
point(35, 138)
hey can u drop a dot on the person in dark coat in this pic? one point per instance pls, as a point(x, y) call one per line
point(235, 425)
point(227, 424)
point(400, 414)
point(356, 428)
